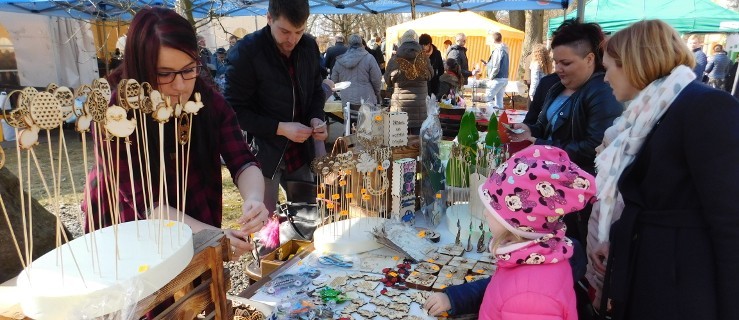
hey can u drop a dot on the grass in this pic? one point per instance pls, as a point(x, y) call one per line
point(72, 186)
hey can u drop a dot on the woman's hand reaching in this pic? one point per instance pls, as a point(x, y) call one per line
point(239, 243)
point(254, 216)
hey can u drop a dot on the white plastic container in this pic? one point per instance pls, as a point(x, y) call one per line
point(8, 131)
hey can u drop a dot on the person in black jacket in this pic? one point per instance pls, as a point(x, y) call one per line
point(273, 83)
point(576, 112)
point(540, 94)
point(437, 63)
point(459, 52)
point(334, 52)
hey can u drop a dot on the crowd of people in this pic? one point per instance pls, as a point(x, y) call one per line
point(621, 207)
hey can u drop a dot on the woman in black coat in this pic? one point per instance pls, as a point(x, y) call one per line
point(578, 108)
point(672, 159)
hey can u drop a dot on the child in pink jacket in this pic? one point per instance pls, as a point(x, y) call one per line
point(526, 198)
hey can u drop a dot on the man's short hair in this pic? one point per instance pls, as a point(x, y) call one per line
point(339, 38)
point(424, 39)
point(295, 11)
point(233, 37)
point(460, 35)
point(497, 37)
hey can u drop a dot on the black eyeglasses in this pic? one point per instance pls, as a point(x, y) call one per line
point(187, 74)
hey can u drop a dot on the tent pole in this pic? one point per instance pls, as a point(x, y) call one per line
point(413, 9)
point(580, 11)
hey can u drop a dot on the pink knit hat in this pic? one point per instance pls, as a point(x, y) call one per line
point(534, 189)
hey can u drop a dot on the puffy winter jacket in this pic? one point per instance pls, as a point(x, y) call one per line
point(406, 77)
point(360, 67)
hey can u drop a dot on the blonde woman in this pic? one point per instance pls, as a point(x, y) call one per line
point(666, 185)
point(541, 65)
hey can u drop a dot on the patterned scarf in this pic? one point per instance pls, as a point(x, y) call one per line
point(630, 131)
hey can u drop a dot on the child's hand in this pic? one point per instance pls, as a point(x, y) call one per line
point(437, 303)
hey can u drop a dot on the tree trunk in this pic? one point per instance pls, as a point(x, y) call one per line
point(518, 19)
point(490, 15)
point(44, 227)
point(534, 34)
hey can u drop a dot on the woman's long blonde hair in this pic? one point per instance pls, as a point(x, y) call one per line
point(648, 50)
point(540, 54)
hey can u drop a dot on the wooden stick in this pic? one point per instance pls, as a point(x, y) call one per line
point(162, 183)
point(89, 219)
point(133, 187)
point(29, 248)
point(22, 194)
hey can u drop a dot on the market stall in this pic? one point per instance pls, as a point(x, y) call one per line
point(396, 220)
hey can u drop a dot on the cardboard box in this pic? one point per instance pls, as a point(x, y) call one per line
point(276, 258)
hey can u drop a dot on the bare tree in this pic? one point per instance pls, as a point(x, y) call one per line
point(517, 19)
point(534, 31)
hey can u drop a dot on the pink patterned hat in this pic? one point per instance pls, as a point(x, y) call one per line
point(534, 189)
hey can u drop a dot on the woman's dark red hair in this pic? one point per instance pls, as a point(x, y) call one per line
point(151, 29)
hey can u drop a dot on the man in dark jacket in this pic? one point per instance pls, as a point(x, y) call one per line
point(334, 52)
point(274, 85)
point(459, 52)
point(437, 63)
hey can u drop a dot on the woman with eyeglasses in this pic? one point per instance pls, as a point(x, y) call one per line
point(162, 50)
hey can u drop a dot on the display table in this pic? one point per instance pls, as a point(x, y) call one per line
point(211, 249)
point(262, 297)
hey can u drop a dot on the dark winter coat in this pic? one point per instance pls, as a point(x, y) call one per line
point(406, 77)
point(259, 88)
point(333, 53)
point(447, 82)
point(582, 120)
point(459, 53)
point(673, 251)
point(437, 65)
point(358, 66)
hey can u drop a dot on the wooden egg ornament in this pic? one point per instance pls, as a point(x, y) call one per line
point(46, 111)
point(96, 105)
point(103, 86)
point(25, 98)
point(66, 99)
point(51, 87)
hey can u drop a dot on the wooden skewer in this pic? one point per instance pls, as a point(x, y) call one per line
point(22, 194)
point(29, 247)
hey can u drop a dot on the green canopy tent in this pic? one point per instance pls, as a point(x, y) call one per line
point(686, 16)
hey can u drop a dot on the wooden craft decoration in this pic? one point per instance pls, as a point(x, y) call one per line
point(395, 129)
point(115, 128)
point(404, 190)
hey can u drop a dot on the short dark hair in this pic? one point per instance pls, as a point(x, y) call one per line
point(583, 38)
point(296, 11)
point(424, 39)
point(233, 37)
point(497, 37)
